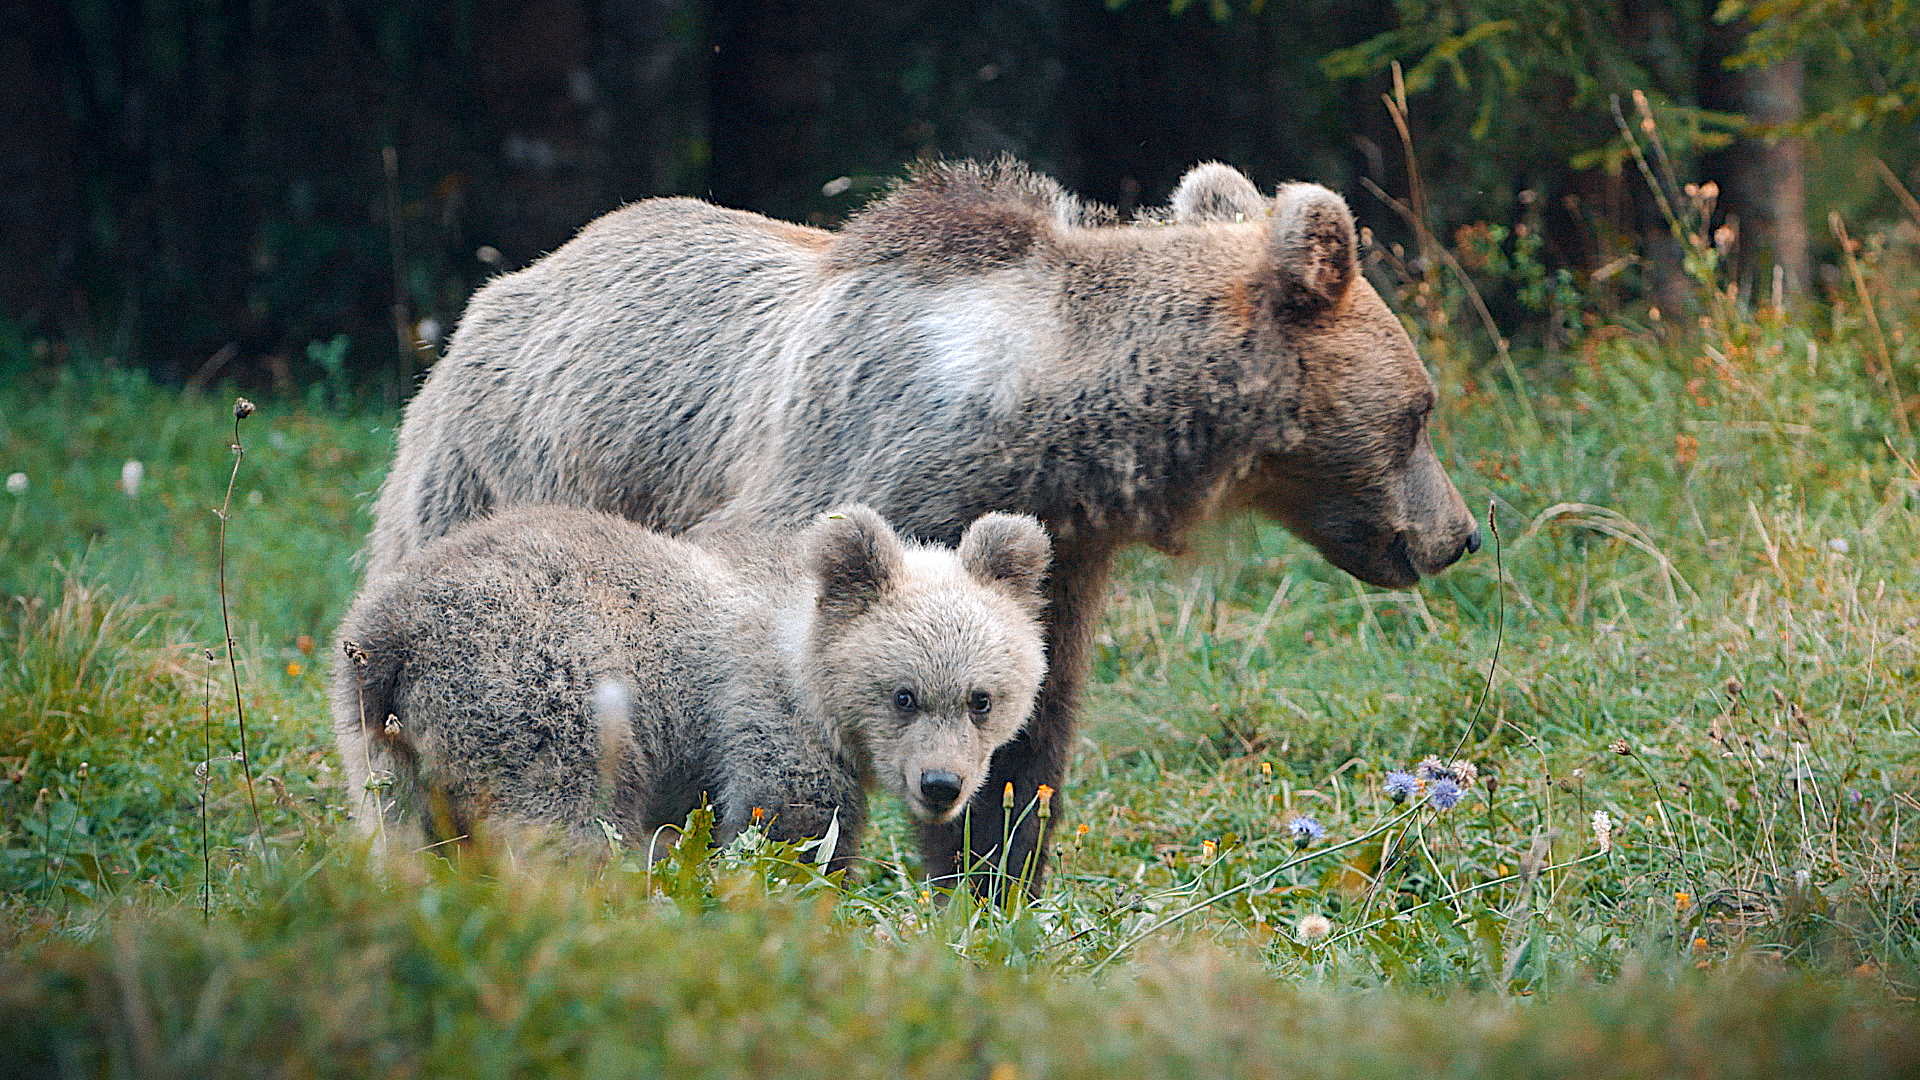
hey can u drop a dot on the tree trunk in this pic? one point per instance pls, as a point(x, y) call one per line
point(1763, 177)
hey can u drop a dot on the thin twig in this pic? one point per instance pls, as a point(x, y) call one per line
point(205, 776)
point(1646, 170)
point(242, 408)
point(1473, 294)
point(1886, 373)
point(1499, 631)
point(1907, 201)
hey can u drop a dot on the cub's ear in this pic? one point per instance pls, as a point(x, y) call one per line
point(856, 557)
point(1216, 192)
point(1312, 249)
point(1011, 552)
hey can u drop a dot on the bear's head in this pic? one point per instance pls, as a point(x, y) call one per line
point(1350, 468)
point(924, 659)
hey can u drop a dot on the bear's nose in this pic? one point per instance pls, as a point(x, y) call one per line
point(1473, 541)
point(940, 789)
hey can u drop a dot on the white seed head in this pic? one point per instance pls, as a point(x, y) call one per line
point(1603, 830)
point(130, 476)
point(1313, 928)
point(17, 483)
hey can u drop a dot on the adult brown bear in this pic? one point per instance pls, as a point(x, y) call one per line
point(977, 340)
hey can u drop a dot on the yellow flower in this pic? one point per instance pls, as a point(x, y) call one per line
point(1682, 901)
point(295, 667)
point(1006, 796)
point(1207, 848)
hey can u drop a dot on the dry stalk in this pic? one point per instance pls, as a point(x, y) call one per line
point(204, 776)
point(1886, 374)
point(242, 408)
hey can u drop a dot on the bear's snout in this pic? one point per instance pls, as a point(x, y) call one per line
point(940, 790)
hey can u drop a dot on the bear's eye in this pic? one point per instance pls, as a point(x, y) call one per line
point(904, 700)
point(980, 704)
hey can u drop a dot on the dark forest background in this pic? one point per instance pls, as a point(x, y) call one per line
point(277, 191)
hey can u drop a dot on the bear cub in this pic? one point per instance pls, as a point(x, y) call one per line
point(549, 667)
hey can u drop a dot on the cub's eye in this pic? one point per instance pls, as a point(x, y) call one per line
point(904, 700)
point(980, 704)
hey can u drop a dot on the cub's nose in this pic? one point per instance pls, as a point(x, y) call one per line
point(1473, 541)
point(940, 790)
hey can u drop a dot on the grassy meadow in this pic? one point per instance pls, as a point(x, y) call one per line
point(1686, 844)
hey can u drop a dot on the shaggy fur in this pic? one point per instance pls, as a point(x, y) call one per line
point(552, 666)
point(977, 340)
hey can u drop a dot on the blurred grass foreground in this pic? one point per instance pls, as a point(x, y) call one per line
point(1677, 838)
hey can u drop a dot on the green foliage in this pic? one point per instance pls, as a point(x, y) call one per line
point(1505, 57)
point(1873, 45)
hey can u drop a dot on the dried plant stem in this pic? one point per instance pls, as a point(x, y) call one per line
point(1886, 374)
point(1907, 201)
point(242, 408)
point(1432, 251)
point(1684, 233)
point(204, 774)
point(1473, 294)
point(1416, 191)
point(1499, 633)
point(1659, 806)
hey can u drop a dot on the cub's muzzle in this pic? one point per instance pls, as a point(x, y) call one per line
point(939, 790)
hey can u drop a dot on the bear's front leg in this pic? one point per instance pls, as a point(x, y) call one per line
point(793, 817)
point(796, 801)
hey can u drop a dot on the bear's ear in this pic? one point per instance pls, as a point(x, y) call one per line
point(1011, 552)
point(1312, 249)
point(856, 557)
point(1216, 192)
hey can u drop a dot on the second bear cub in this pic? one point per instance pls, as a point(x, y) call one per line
point(552, 666)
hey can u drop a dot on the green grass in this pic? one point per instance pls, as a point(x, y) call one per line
point(1705, 558)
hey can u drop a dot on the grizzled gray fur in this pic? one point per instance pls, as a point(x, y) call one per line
point(976, 340)
point(551, 666)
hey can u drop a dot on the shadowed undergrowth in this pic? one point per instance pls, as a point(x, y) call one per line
point(559, 972)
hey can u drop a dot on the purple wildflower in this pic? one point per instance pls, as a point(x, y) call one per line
point(1306, 830)
point(1444, 794)
point(1401, 785)
point(1432, 768)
